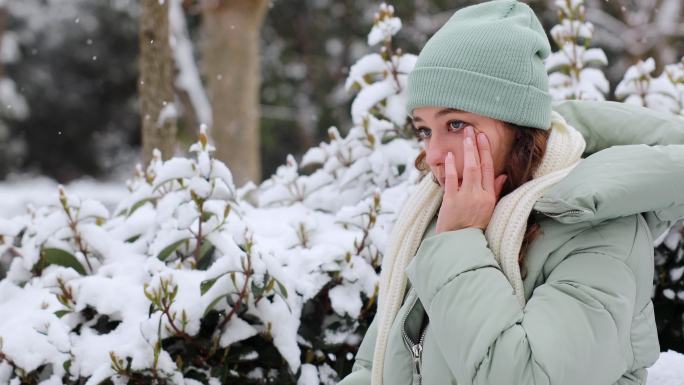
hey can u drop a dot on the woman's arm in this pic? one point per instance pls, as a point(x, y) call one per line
point(606, 123)
point(361, 371)
point(575, 329)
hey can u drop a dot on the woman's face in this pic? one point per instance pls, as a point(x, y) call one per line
point(443, 129)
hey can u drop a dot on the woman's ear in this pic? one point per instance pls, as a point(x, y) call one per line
point(499, 183)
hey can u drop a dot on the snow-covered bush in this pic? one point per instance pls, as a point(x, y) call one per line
point(572, 70)
point(662, 93)
point(190, 280)
point(668, 294)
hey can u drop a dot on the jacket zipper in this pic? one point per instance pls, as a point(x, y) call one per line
point(565, 213)
point(417, 351)
point(555, 209)
point(416, 348)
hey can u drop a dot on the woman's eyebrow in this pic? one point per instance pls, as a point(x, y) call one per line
point(439, 113)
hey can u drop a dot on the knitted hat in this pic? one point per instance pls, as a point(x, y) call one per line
point(487, 59)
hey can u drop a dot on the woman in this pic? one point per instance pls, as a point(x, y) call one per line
point(516, 260)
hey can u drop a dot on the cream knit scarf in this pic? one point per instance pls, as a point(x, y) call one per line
point(504, 233)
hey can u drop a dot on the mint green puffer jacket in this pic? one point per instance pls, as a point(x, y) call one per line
point(588, 317)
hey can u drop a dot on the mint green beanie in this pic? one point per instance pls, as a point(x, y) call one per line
point(487, 59)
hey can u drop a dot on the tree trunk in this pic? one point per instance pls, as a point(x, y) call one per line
point(230, 56)
point(3, 27)
point(155, 85)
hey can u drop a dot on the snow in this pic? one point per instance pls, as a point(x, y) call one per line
point(385, 25)
point(369, 64)
point(309, 375)
point(18, 191)
point(345, 299)
point(662, 93)
point(570, 76)
point(390, 87)
point(236, 330)
point(168, 112)
point(314, 156)
point(283, 329)
point(668, 370)
point(383, 30)
point(173, 169)
point(676, 273)
point(188, 78)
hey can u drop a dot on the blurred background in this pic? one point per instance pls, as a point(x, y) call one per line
point(70, 73)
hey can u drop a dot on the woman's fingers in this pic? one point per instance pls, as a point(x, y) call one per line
point(450, 174)
point(486, 161)
point(472, 176)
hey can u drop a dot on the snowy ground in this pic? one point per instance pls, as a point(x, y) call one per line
point(17, 193)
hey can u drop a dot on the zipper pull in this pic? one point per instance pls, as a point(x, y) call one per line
point(417, 351)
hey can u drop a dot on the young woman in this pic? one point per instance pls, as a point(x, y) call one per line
point(525, 255)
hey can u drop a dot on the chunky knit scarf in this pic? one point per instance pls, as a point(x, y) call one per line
point(504, 233)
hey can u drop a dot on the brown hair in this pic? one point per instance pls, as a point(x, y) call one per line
point(526, 155)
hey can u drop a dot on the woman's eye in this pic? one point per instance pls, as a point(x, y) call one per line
point(422, 132)
point(457, 124)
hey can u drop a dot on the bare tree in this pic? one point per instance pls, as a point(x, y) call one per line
point(230, 55)
point(3, 26)
point(155, 84)
point(637, 30)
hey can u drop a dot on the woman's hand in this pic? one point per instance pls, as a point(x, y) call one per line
point(472, 203)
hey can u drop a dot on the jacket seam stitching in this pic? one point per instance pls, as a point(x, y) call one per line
point(363, 360)
point(488, 357)
point(448, 280)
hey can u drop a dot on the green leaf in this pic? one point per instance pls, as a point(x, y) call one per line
point(258, 291)
point(66, 365)
point(206, 250)
point(61, 313)
point(132, 239)
point(213, 303)
point(207, 284)
point(282, 288)
point(170, 249)
point(53, 256)
point(206, 215)
point(135, 206)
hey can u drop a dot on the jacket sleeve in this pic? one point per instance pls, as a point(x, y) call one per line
point(361, 370)
point(573, 330)
point(606, 123)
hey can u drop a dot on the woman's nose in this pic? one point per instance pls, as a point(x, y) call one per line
point(435, 154)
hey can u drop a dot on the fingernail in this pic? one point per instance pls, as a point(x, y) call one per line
point(469, 141)
point(469, 131)
point(450, 157)
point(482, 138)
